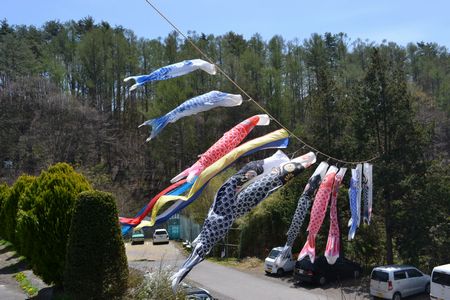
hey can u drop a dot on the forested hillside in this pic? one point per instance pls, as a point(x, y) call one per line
point(62, 98)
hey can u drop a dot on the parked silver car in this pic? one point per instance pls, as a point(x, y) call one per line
point(160, 236)
point(397, 281)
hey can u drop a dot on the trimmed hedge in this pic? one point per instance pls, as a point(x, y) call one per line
point(44, 217)
point(96, 264)
point(4, 195)
point(10, 206)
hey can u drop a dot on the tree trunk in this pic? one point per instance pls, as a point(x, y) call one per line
point(388, 229)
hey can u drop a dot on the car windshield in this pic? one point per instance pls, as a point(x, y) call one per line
point(158, 232)
point(274, 253)
point(138, 232)
point(380, 276)
point(441, 278)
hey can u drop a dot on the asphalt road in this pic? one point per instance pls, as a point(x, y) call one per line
point(9, 266)
point(223, 282)
point(230, 283)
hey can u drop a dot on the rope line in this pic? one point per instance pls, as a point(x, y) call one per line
point(317, 151)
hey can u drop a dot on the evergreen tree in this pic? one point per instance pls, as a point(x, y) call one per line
point(96, 263)
point(10, 206)
point(45, 213)
point(4, 195)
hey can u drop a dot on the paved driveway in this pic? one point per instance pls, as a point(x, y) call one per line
point(9, 266)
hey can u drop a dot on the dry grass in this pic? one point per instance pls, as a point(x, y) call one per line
point(152, 286)
point(248, 263)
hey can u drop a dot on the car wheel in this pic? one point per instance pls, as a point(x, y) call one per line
point(397, 296)
point(322, 280)
point(356, 274)
point(280, 272)
point(427, 288)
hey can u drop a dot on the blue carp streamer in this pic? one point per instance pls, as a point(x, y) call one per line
point(172, 71)
point(193, 106)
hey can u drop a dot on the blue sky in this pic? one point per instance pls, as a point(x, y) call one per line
point(400, 21)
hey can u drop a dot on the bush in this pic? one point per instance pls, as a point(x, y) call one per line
point(266, 225)
point(9, 215)
point(157, 285)
point(4, 195)
point(96, 264)
point(45, 213)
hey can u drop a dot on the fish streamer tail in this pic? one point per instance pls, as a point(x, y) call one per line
point(180, 176)
point(282, 256)
point(193, 260)
point(366, 219)
point(157, 125)
point(309, 248)
point(352, 231)
point(138, 80)
point(332, 249)
point(191, 173)
point(209, 68)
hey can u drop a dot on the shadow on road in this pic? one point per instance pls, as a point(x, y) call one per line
point(15, 255)
point(6, 249)
point(14, 268)
point(143, 259)
point(44, 294)
point(347, 289)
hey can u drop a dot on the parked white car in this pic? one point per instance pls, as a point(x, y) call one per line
point(287, 263)
point(440, 282)
point(160, 236)
point(395, 282)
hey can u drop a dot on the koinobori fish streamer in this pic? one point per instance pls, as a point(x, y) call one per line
point(275, 140)
point(354, 194)
point(225, 144)
point(367, 188)
point(172, 71)
point(193, 106)
point(304, 202)
point(228, 206)
point(333, 244)
point(318, 212)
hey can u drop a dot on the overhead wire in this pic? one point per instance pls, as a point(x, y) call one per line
point(250, 98)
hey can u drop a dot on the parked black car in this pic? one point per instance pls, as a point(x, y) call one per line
point(321, 272)
point(196, 293)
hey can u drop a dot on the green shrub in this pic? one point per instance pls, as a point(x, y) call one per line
point(44, 217)
point(156, 286)
point(4, 195)
point(9, 215)
point(96, 264)
point(266, 225)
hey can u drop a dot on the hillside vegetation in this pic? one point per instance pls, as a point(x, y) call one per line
point(62, 98)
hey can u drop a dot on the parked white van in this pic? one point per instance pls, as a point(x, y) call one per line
point(440, 282)
point(398, 281)
point(287, 263)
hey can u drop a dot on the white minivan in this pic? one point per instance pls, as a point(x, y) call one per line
point(160, 236)
point(440, 282)
point(398, 281)
point(283, 265)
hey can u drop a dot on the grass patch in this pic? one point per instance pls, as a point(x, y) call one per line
point(152, 286)
point(245, 264)
point(5, 243)
point(228, 262)
point(25, 284)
